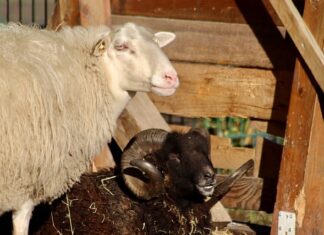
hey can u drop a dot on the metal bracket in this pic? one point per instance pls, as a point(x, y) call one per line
point(286, 223)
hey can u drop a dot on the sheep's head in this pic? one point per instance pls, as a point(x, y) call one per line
point(156, 161)
point(134, 54)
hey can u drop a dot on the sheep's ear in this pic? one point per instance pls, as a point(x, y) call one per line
point(164, 38)
point(100, 47)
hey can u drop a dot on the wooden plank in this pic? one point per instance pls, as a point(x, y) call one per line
point(220, 43)
point(302, 37)
point(224, 11)
point(95, 12)
point(245, 193)
point(228, 157)
point(217, 91)
point(301, 172)
point(65, 13)
point(140, 114)
point(219, 214)
point(310, 203)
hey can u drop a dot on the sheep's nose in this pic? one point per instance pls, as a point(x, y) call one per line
point(172, 78)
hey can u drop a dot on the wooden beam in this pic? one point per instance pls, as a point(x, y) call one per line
point(221, 11)
point(218, 91)
point(301, 172)
point(220, 43)
point(311, 52)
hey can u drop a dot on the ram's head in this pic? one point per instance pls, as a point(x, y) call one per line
point(156, 161)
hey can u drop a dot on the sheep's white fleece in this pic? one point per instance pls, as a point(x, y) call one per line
point(54, 102)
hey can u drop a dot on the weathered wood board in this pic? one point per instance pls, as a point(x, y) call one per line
point(304, 40)
point(224, 11)
point(219, 91)
point(221, 43)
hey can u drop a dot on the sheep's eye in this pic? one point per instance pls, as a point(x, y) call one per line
point(121, 47)
point(102, 46)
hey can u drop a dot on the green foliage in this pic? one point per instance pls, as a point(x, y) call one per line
point(238, 130)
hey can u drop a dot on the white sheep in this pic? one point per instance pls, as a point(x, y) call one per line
point(60, 96)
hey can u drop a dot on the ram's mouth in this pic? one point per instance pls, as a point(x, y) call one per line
point(206, 190)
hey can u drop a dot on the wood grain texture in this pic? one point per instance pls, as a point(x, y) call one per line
point(245, 193)
point(301, 171)
point(309, 203)
point(224, 11)
point(95, 12)
point(311, 52)
point(217, 91)
point(229, 157)
point(221, 43)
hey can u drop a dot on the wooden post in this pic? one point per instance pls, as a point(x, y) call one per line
point(301, 174)
point(65, 12)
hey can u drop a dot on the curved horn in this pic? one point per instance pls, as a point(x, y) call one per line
point(140, 175)
point(224, 186)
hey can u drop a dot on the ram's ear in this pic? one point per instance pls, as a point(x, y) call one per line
point(100, 47)
point(164, 38)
